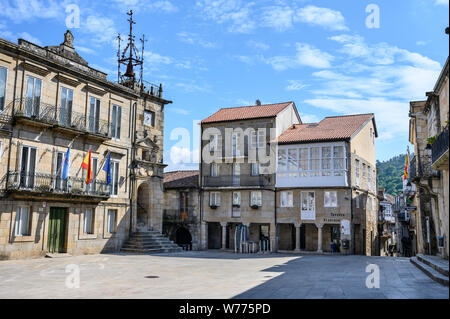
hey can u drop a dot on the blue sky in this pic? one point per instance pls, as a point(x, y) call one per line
point(221, 53)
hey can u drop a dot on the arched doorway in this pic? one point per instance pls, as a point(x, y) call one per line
point(143, 207)
point(183, 238)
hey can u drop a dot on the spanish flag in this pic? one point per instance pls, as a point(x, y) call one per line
point(87, 165)
point(405, 175)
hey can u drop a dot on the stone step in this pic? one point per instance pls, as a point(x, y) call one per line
point(151, 251)
point(430, 271)
point(439, 264)
point(127, 245)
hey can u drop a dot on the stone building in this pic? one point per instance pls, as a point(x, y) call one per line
point(387, 230)
point(52, 100)
point(429, 168)
point(181, 220)
point(326, 185)
point(237, 175)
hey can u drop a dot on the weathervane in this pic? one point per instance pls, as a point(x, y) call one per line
point(130, 58)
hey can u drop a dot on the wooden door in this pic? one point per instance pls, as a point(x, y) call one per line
point(57, 230)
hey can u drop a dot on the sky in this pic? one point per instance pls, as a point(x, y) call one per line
point(329, 57)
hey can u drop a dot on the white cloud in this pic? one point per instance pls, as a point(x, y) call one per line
point(143, 5)
point(179, 110)
point(309, 118)
point(306, 55)
point(441, 2)
point(235, 13)
point(191, 88)
point(85, 50)
point(324, 17)
point(102, 29)
point(257, 45)
point(23, 10)
point(421, 43)
point(152, 58)
point(295, 85)
point(194, 39)
point(183, 155)
point(279, 18)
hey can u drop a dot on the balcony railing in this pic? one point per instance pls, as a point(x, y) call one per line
point(180, 216)
point(440, 146)
point(421, 168)
point(35, 110)
point(413, 168)
point(49, 183)
point(236, 181)
point(72, 120)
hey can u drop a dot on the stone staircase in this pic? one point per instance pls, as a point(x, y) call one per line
point(149, 242)
point(434, 267)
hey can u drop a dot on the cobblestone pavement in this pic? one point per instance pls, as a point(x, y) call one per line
point(214, 274)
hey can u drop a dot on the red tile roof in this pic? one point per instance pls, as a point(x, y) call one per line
point(247, 112)
point(329, 129)
point(181, 179)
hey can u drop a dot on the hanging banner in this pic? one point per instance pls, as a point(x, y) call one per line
point(345, 227)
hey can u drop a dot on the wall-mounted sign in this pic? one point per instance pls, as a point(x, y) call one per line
point(345, 227)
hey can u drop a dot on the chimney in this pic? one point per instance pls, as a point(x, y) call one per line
point(258, 102)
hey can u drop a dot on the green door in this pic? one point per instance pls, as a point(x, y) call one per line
point(56, 230)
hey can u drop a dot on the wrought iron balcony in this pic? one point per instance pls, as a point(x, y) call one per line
point(439, 150)
point(413, 168)
point(180, 216)
point(420, 167)
point(98, 127)
point(34, 109)
point(51, 184)
point(72, 120)
point(237, 181)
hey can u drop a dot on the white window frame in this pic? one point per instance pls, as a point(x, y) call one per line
point(236, 198)
point(287, 199)
point(235, 140)
point(258, 138)
point(330, 202)
point(28, 162)
point(214, 170)
point(95, 117)
point(214, 142)
point(68, 109)
point(214, 199)
point(89, 221)
point(115, 177)
point(109, 224)
point(35, 79)
point(2, 107)
point(256, 198)
point(152, 118)
point(310, 212)
point(116, 122)
point(19, 223)
point(255, 169)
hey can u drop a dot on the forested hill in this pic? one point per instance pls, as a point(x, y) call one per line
point(390, 174)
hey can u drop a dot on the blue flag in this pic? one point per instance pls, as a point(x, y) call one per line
point(65, 171)
point(107, 169)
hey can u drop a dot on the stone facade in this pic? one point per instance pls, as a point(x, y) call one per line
point(54, 101)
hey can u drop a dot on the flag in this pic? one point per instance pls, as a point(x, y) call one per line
point(107, 169)
point(405, 175)
point(87, 165)
point(65, 171)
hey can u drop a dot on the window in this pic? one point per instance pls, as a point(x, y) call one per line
point(315, 161)
point(287, 199)
point(235, 144)
point(364, 202)
point(364, 170)
point(282, 160)
point(258, 139)
point(60, 184)
point(213, 143)
point(292, 162)
point(255, 169)
point(3, 74)
point(256, 199)
point(214, 169)
point(22, 223)
point(236, 198)
point(28, 167)
point(338, 160)
point(93, 184)
point(94, 115)
point(149, 118)
point(116, 121)
point(214, 199)
point(326, 161)
point(357, 201)
point(308, 206)
point(88, 221)
point(33, 96)
point(115, 178)
point(304, 161)
point(112, 215)
point(330, 199)
point(65, 110)
point(357, 172)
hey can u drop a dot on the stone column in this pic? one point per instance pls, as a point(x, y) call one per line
point(319, 238)
point(273, 238)
point(297, 237)
point(224, 235)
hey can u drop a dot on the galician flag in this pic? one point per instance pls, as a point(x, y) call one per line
point(65, 171)
point(107, 169)
point(87, 165)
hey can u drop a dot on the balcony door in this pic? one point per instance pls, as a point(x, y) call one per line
point(33, 96)
point(94, 116)
point(60, 184)
point(28, 167)
point(236, 174)
point(65, 111)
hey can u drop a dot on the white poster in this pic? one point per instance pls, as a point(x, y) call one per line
point(345, 227)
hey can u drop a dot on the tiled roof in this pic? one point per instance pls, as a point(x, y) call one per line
point(247, 112)
point(181, 179)
point(329, 129)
